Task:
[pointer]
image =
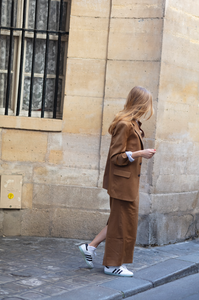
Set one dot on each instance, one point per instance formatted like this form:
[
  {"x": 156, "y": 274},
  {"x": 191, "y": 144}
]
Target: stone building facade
[{"x": 113, "y": 46}]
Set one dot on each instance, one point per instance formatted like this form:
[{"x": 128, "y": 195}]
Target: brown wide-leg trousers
[{"x": 121, "y": 232}]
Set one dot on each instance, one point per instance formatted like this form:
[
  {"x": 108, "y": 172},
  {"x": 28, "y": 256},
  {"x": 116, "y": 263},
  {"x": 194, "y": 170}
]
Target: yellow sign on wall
[{"x": 10, "y": 196}]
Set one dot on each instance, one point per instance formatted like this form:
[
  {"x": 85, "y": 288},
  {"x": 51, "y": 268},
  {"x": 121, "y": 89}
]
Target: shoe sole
[
  {"x": 117, "y": 274},
  {"x": 82, "y": 253}
]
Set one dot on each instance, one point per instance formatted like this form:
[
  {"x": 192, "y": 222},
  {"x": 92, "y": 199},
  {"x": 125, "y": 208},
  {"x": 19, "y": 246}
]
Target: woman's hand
[{"x": 148, "y": 153}]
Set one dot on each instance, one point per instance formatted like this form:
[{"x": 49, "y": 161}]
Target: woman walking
[{"x": 121, "y": 179}]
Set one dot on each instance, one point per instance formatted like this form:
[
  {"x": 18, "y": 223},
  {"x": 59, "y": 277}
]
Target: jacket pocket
[{"x": 122, "y": 173}]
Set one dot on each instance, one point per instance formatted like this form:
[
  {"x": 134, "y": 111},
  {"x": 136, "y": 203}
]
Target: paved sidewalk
[{"x": 53, "y": 268}]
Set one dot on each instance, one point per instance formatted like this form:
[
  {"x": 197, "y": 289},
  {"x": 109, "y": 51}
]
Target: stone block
[
  {"x": 168, "y": 158},
  {"x": 111, "y": 108},
  {"x": 122, "y": 76},
  {"x": 176, "y": 202},
  {"x": 190, "y": 8},
  {"x": 17, "y": 168},
  {"x": 82, "y": 115},
  {"x": 65, "y": 176},
  {"x": 144, "y": 183},
  {"x": 90, "y": 8},
  {"x": 21, "y": 122},
  {"x": 141, "y": 39},
  {"x": 143, "y": 230},
  {"x": 76, "y": 223},
  {"x": 80, "y": 151},
  {"x": 85, "y": 77},
  {"x": 36, "y": 222},
  {"x": 128, "y": 286},
  {"x": 1, "y": 222},
  {"x": 166, "y": 271},
  {"x": 88, "y": 37},
  {"x": 18, "y": 145},
  {"x": 145, "y": 204},
  {"x": 55, "y": 141},
  {"x": 96, "y": 292},
  {"x": 171, "y": 228},
  {"x": 12, "y": 222},
  {"x": 55, "y": 157},
  {"x": 137, "y": 9},
  {"x": 149, "y": 126},
  {"x": 105, "y": 144},
  {"x": 176, "y": 183},
  {"x": 0, "y": 141},
  {"x": 59, "y": 196},
  {"x": 27, "y": 192}
]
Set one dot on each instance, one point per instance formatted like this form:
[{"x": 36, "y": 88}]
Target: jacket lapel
[{"x": 137, "y": 130}]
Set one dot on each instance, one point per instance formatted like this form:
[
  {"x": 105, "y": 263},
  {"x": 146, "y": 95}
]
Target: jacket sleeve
[{"x": 118, "y": 144}]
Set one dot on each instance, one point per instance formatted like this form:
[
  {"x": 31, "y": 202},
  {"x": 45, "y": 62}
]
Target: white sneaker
[
  {"x": 118, "y": 271},
  {"x": 87, "y": 255}
]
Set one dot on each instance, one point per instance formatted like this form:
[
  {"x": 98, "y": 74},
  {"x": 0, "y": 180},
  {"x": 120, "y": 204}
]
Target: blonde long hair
[{"x": 138, "y": 104}]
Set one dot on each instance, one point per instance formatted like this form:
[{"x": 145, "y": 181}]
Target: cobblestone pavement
[{"x": 45, "y": 268}]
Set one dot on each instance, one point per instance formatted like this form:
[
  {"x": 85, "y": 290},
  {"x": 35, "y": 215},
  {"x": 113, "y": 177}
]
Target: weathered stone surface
[
  {"x": 41, "y": 124},
  {"x": 52, "y": 196},
  {"x": 178, "y": 227},
  {"x": 111, "y": 108},
  {"x": 140, "y": 39},
  {"x": 27, "y": 190},
  {"x": 74, "y": 223},
  {"x": 145, "y": 204},
  {"x": 80, "y": 151},
  {"x": 137, "y": 9},
  {"x": 36, "y": 222},
  {"x": 65, "y": 176},
  {"x": 12, "y": 222},
  {"x": 143, "y": 230},
  {"x": 180, "y": 202},
  {"x": 17, "y": 168},
  {"x": 91, "y": 8},
  {"x": 88, "y": 37},
  {"x": 1, "y": 222},
  {"x": 82, "y": 115},
  {"x": 85, "y": 77},
  {"x": 0, "y": 141},
  {"x": 122, "y": 76},
  {"x": 32, "y": 145},
  {"x": 55, "y": 157}
]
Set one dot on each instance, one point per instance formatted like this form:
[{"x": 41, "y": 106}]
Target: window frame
[{"x": 17, "y": 37}]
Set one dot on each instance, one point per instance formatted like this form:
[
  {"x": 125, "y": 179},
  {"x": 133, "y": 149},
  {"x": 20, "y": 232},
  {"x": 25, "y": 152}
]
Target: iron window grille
[{"x": 33, "y": 50}]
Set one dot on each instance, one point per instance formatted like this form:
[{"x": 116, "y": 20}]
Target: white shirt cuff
[{"x": 129, "y": 155}]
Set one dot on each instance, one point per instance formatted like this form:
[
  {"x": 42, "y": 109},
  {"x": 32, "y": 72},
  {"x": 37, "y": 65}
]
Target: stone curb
[{"x": 138, "y": 284}]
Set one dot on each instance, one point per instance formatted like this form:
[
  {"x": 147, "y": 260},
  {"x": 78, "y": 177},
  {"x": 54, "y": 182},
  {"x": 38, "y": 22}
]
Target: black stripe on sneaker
[
  {"x": 120, "y": 271},
  {"x": 114, "y": 271},
  {"x": 86, "y": 247}
]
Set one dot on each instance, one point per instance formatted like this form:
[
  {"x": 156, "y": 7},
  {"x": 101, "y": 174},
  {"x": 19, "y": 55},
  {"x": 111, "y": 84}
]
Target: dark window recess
[{"x": 37, "y": 47}]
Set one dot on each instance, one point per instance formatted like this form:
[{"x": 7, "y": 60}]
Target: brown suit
[{"x": 121, "y": 179}]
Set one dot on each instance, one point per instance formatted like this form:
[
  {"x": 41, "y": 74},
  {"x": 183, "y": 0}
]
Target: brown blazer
[{"x": 121, "y": 177}]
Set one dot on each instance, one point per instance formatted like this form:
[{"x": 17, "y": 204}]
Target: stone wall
[
  {"x": 113, "y": 46},
  {"x": 175, "y": 197}
]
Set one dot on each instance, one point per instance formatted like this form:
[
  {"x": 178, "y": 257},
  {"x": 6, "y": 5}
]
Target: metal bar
[
  {"x": 22, "y": 58},
  {"x": 46, "y": 63},
  {"x": 9, "y": 60},
  {"x": 58, "y": 61},
  {"x": 33, "y": 61},
  {"x": 35, "y": 30},
  {"x": 0, "y": 10}
]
